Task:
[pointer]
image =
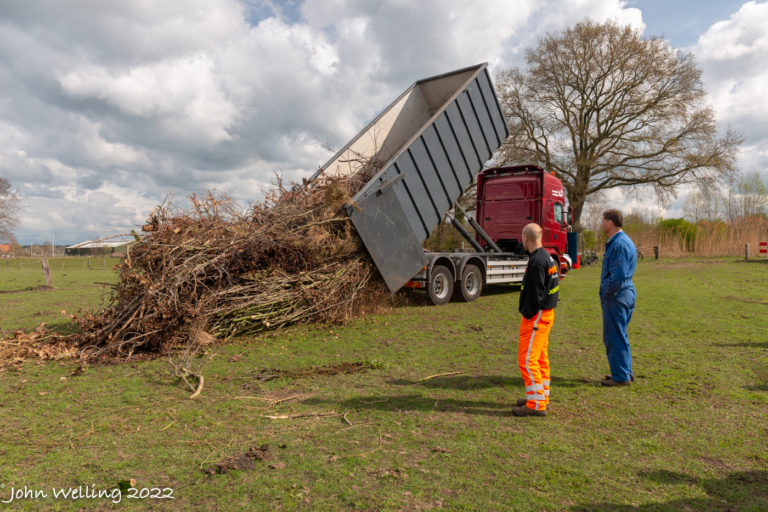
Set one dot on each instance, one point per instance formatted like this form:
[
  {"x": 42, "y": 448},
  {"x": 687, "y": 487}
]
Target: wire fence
[{"x": 61, "y": 263}]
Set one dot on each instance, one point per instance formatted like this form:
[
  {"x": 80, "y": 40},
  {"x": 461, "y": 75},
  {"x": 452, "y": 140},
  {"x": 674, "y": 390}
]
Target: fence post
[
  {"x": 46, "y": 271},
  {"x": 746, "y": 252},
  {"x": 655, "y": 252}
]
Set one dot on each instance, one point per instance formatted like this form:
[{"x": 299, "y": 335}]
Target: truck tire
[
  {"x": 440, "y": 286},
  {"x": 471, "y": 284}
]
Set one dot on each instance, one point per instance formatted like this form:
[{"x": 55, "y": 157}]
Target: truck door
[{"x": 553, "y": 219}]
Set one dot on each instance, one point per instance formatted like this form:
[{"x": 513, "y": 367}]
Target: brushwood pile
[{"x": 213, "y": 271}]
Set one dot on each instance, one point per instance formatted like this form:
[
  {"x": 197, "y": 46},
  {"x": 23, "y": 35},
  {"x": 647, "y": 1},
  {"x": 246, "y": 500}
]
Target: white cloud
[
  {"x": 741, "y": 39},
  {"x": 182, "y": 96},
  {"x": 733, "y": 55},
  {"x": 110, "y": 106}
]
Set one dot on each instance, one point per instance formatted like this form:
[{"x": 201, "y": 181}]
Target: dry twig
[
  {"x": 438, "y": 375},
  {"x": 300, "y": 415}
]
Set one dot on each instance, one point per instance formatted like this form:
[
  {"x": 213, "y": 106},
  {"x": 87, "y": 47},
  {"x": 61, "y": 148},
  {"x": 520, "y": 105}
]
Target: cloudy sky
[{"x": 109, "y": 107}]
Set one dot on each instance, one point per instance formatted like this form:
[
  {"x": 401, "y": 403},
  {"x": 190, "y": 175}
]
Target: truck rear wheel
[
  {"x": 471, "y": 284},
  {"x": 440, "y": 285}
]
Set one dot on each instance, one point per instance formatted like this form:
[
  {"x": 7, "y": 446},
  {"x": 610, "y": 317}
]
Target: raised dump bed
[{"x": 428, "y": 144}]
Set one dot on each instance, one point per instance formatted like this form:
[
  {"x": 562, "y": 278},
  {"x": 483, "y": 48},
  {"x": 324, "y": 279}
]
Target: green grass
[
  {"x": 690, "y": 434},
  {"x": 77, "y": 283}
]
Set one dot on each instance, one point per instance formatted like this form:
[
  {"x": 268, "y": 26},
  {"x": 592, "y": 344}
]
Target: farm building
[{"x": 114, "y": 246}]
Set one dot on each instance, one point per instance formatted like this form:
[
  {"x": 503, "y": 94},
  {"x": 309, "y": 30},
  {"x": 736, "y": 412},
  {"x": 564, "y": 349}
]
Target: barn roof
[{"x": 95, "y": 244}]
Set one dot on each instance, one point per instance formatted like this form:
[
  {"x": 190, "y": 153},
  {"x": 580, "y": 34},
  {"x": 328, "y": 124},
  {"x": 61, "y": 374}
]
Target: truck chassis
[{"x": 462, "y": 275}]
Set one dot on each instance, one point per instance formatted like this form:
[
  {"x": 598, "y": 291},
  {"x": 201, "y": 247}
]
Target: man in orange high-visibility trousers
[{"x": 538, "y": 299}]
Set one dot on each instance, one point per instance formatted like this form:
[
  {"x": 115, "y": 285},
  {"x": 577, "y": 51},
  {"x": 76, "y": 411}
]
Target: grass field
[
  {"x": 78, "y": 283},
  {"x": 690, "y": 434}
]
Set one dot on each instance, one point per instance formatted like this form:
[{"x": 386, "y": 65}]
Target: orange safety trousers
[{"x": 533, "y": 358}]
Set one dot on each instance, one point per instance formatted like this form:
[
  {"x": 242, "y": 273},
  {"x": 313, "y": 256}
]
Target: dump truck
[{"x": 428, "y": 146}]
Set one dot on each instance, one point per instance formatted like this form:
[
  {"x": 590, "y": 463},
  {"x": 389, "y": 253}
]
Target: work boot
[
  {"x": 608, "y": 377},
  {"x": 611, "y": 383},
  {"x": 522, "y": 410},
  {"x": 523, "y": 401}
]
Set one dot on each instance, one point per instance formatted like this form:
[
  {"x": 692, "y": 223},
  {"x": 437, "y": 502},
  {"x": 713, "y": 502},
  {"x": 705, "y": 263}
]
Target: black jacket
[{"x": 540, "y": 284}]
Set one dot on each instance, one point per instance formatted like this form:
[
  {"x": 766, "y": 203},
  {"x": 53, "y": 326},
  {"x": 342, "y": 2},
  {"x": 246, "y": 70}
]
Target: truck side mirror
[{"x": 570, "y": 216}]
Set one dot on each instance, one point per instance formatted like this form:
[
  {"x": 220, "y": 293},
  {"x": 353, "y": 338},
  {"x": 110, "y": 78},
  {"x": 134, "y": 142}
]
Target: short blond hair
[{"x": 532, "y": 232}]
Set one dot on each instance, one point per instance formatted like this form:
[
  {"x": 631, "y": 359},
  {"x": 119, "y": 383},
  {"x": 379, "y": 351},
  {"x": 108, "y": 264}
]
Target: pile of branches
[{"x": 215, "y": 272}]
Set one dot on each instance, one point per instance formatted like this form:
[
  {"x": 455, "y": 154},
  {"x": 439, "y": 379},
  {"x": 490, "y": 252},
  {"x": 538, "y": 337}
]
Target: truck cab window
[{"x": 559, "y": 213}]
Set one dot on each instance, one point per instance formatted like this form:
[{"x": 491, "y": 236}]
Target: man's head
[
  {"x": 531, "y": 237},
  {"x": 612, "y": 222}
]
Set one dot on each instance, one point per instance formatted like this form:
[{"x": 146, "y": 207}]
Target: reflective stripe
[
  {"x": 545, "y": 382},
  {"x": 554, "y": 290},
  {"x": 546, "y": 392},
  {"x": 531, "y": 388},
  {"x": 535, "y": 397}
]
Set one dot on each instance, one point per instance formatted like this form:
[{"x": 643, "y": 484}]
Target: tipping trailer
[{"x": 429, "y": 145}]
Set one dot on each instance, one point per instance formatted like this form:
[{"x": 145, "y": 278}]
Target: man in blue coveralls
[{"x": 617, "y": 298}]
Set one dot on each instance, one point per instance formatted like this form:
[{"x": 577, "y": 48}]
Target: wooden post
[
  {"x": 46, "y": 271},
  {"x": 655, "y": 252},
  {"x": 746, "y": 252}
]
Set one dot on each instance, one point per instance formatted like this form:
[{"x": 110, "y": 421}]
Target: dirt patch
[
  {"x": 716, "y": 464},
  {"x": 247, "y": 461},
  {"x": 41, "y": 288},
  {"x": 396, "y": 473}
]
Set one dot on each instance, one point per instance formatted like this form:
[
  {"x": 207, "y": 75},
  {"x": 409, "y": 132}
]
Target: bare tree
[
  {"x": 10, "y": 206},
  {"x": 706, "y": 203},
  {"x": 747, "y": 197},
  {"x": 604, "y": 107},
  {"x": 592, "y": 213}
]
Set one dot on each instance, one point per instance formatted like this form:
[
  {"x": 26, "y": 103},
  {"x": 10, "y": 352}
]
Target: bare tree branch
[
  {"x": 603, "y": 107},
  {"x": 10, "y": 207}
]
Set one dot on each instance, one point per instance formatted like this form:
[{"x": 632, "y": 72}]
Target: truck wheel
[
  {"x": 471, "y": 284},
  {"x": 440, "y": 285}
]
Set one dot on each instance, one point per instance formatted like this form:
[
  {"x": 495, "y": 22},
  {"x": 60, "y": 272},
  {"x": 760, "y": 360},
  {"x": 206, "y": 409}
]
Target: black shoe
[
  {"x": 525, "y": 411},
  {"x": 611, "y": 383},
  {"x": 608, "y": 377}
]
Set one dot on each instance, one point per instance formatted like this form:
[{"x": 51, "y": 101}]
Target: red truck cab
[{"x": 508, "y": 198}]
